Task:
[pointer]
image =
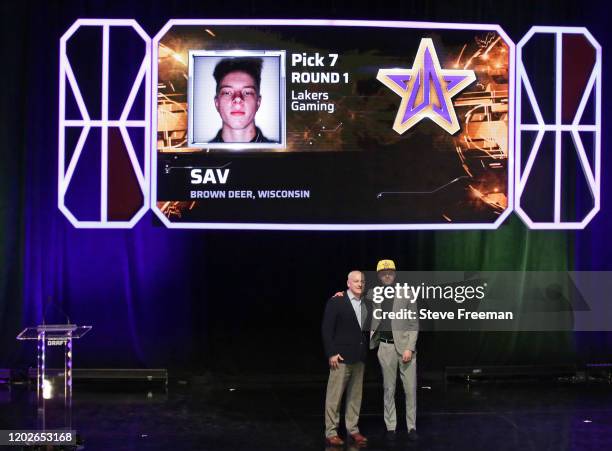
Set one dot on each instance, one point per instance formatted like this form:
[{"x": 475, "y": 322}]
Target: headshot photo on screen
[{"x": 236, "y": 100}]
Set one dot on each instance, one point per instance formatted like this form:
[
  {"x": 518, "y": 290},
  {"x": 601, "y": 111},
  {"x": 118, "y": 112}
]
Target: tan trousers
[
  {"x": 347, "y": 377},
  {"x": 390, "y": 360}
]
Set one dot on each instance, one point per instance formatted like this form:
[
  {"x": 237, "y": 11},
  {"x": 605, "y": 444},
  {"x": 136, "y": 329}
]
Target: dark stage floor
[{"x": 281, "y": 416}]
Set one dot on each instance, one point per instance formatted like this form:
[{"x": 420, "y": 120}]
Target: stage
[
  {"x": 184, "y": 186},
  {"x": 208, "y": 413}
]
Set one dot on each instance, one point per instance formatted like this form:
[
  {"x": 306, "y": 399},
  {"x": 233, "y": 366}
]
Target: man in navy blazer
[{"x": 345, "y": 332}]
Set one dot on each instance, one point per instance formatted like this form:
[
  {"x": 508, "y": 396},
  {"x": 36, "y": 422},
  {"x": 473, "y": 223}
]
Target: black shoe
[
  {"x": 412, "y": 435},
  {"x": 390, "y": 436}
]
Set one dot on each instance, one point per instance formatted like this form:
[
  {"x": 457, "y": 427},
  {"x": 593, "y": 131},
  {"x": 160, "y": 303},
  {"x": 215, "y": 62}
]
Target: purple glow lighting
[{"x": 68, "y": 376}]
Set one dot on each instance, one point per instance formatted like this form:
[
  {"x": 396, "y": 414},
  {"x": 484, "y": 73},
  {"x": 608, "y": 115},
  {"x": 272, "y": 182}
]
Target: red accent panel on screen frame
[{"x": 578, "y": 62}]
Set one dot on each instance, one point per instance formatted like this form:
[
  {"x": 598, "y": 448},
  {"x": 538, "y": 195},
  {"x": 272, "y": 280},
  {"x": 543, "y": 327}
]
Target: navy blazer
[{"x": 341, "y": 332}]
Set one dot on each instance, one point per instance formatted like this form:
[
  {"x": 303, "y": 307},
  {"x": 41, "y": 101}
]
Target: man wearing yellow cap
[{"x": 396, "y": 341}]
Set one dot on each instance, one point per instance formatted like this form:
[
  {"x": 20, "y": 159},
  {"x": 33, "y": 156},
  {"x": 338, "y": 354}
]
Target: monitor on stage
[{"x": 331, "y": 127}]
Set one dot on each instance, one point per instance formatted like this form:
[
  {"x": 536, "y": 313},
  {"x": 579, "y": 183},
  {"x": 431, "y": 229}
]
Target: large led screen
[{"x": 337, "y": 126}]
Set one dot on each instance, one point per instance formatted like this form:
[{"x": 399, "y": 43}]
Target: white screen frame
[
  {"x": 364, "y": 24},
  {"x": 282, "y": 138}
]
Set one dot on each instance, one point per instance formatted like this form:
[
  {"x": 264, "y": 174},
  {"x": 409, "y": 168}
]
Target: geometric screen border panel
[
  {"x": 577, "y": 73},
  {"x": 98, "y": 126}
]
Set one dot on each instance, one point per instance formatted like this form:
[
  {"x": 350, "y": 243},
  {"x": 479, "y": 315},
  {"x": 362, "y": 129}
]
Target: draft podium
[{"x": 54, "y": 359}]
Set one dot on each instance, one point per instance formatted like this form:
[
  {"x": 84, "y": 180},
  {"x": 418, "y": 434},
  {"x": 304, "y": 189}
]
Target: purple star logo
[{"x": 426, "y": 90}]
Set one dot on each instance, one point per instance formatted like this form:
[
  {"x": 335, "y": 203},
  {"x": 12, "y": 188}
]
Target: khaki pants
[
  {"x": 390, "y": 360},
  {"x": 347, "y": 377}
]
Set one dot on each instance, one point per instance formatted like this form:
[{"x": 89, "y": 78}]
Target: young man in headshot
[{"x": 237, "y": 100}]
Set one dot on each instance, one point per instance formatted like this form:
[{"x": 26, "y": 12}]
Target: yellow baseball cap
[{"x": 385, "y": 265}]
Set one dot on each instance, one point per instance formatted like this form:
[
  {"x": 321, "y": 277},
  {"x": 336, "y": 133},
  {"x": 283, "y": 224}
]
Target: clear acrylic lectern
[{"x": 55, "y": 336}]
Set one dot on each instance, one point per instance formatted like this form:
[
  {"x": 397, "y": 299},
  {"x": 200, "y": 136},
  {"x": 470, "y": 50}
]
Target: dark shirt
[
  {"x": 385, "y": 327},
  {"x": 259, "y": 137}
]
